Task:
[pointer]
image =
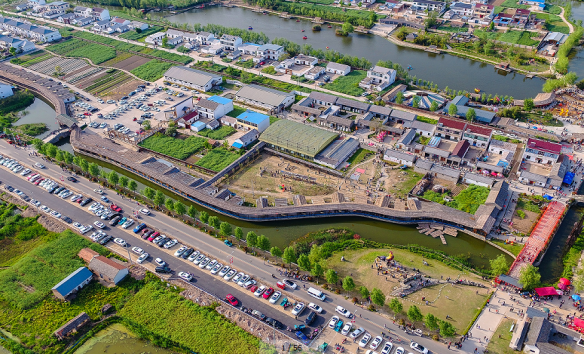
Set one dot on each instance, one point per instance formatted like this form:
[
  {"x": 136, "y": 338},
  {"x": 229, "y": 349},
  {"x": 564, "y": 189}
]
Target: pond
[
  {"x": 118, "y": 339},
  {"x": 40, "y": 112}
]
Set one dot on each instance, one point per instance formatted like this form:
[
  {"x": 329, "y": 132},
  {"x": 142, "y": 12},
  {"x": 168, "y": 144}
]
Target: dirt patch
[
  {"x": 52, "y": 224},
  {"x": 131, "y": 63},
  {"x": 524, "y": 225},
  {"x": 27, "y": 288},
  {"x": 121, "y": 90}
]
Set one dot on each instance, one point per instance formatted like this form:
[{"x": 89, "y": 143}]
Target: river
[
  {"x": 444, "y": 70},
  {"x": 281, "y": 233},
  {"x": 40, "y": 112}
]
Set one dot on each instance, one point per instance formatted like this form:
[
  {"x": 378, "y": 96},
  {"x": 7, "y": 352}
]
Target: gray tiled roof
[
  {"x": 197, "y": 77},
  {"x": 400, "y": 155},
  {"x": 324, "y": 97},
  {"x": 353, "y": 104},
  {"x": 205, "y": 103},
  {"x": 263, "y": 94}
]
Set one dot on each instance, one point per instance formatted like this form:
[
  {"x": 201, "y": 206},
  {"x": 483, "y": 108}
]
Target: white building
[
  {"x": 399, "y": 157},
  {"x": 191, "y": 78},
  {"x": 215, "y": 47},
  {"x": 338, "y": 69},
  {"x": 155, "y": 38},
  {"x": 138, "y": 25},
  {"x": 314, "y": 73},
  {"x": 27, "y": 30},
  {"x": 214, "y": 107},
  {"x": 5, "y": 90},
  {"x": 265, "y": 98},
  {"x": 21, "y": 45},
  {"x": 270, "y": 51},
  {"x": 302, "y": 59},
  {"x": 542, "y": 152},
  {"x": 428, "y": 5},
  {"x": 378, "y": 78},
  {"x": 230, "y": 42},
  {"x": 462, "y": 9}
]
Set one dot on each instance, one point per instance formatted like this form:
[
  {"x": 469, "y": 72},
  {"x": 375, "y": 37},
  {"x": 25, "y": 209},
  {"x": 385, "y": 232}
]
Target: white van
[{"x": 317, "y": 294}]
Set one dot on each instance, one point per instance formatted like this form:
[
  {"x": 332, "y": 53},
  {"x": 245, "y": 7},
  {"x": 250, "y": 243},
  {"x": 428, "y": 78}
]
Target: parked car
[
  {"x": 275, "y": 297},
  {"x": 310, "y": 318},
  {"x": 297, "y": 310},
  {"x": 419, "y": 348},
  {"x": 333, "y": 321},
  {"x": 315, "y": 307},
  {"x": 185, "y": 276},
  {"x": 366, "y": 338},
  {"x": 343, "y": 311},
  {"x": 232, "y": 300}
]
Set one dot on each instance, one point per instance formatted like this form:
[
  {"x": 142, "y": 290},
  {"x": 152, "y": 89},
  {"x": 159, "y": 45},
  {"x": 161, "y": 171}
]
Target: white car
[
  {"x": 346, "y": 328},
  {"x": 243, "y": 280},
  {"x": 419, "y": 348},
  {"x": 120, "y": 241},
  {"x": 314, "y": 307},
  {"x": 238, "y": 277},
  {"x": 185, "y": 276},
  {"x": 160, "y": 262},
  {"x": 180, "y": 251},
  {"x": 128, "y": 223},
  {"x": 204, "y": 262},
  {"x": 387, "y": 348},
  {"x": 99, "y": 224},
  {"x": 170, "y": 243},
  {"x": 211, "y": 264},
  {"x": 356, "y": 333},
  {"x": 137, "y": 250},
  {"x": 45, "y": 209},
  {"x": 290, "y": 283},
  {"x": 35, "y": 202},
  {"x": 343, "y": 311},
  {"x": 98, "y": 191},
  {"x": 145, "y": 211},
  {"x": 297, "y": 310},
  {"x": 39, "y": 165},
  {"x": 191, "y": 258},
  {"x": 199, "y": 259},
  {"x": 224, "y": 270},
  {"x": 275, "y": 296},
  {"x": 260, "y": 290},
  {"x": 85, "y": 229},
  {"x": 230, "y": 274},
  {"x": 55, "y": 214},
  {"x": 248, "y": 284},
  {"x": 77, "y": 225},
  {"x": 400, "y": 350},
  {"x": 333, "y": 321},
  {"x": 216, "y": 268},
  {"x": 376, "y": 342},
  {"x": 366, "y": 338},
  {"x": 144, "y": 256}
]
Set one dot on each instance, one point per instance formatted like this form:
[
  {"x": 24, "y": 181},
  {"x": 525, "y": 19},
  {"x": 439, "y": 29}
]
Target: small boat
[
  {"x": 297, "y": 20},
  {"x": 410, "y": 67},
  {"x": 327, "y": 47},
  {"x": 250, "y": 28},
  {"x": 304, "y": 37},
  {"x": 329, "y": 26},
  {"x": 302, "y": 30},
  {"x": 477, "y": 90}
]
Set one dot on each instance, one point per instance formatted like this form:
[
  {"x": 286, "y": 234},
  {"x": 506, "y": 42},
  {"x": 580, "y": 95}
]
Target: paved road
[{"x": 372, "y": 322}]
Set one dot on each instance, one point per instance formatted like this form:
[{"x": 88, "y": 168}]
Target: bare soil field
[
  {"x": 88, "y": 81},
  {"x": 131, "y": 63},
  {"x": 121, "y": 89},
  {"x": 524, "y": 225}
]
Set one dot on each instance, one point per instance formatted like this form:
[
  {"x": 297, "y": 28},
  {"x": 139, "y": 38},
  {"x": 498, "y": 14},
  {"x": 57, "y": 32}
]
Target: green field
[
  {"x": 76, "y": 48},
  {"x": 218, "y": 134},
  {"x": 217, "y": 159},
  {"x": 468, "y": 200},
  {"x": 348, "y": 84},
  {"x": 152, "y": 70},
  {"x": 522, "y": 38},
  {"x": 134, "y": 36},
  {"x": 196, "y": 327},
  {"x": 177, "y": 148},
  {"x": 236, "y": 111},
  {"x": 514, "y": 4}
]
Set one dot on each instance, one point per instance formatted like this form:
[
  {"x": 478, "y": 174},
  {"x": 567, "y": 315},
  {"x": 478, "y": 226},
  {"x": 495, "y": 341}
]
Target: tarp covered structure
[
  {"x": 547, "y": 291},
  {"x": 569, "y": 177}
]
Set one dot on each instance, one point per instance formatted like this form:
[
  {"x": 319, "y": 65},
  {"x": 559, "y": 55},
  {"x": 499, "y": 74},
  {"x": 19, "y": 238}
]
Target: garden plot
[
  {"x": 131, "y": 63},
  {"x": 66, "y": 66},
  {"x": 122, "y": 89},
  {"x": 81, "y": 75}
]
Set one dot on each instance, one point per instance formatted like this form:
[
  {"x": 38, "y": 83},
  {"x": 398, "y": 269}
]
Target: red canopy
[
  {"x": 578, "y": 322},
  {"x": 547, "y": 291},
  {"x": 564, "y": 281}
]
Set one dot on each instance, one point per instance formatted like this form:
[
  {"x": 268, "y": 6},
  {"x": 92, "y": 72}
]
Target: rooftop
[
  {"x": 219, "y": 99},
  {"x": 263, "y": 94},
  {"x": 451, "y": 123},
  {"x": 544, "y": 146},
  {"x": 65, "y": 286},
  {"x": 253, "y": 117},
  {"x": 297, "y": 137},
  {"x": 197, "y": 77}
]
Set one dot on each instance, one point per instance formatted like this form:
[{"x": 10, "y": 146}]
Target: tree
[
  {"x": 499, "y": 265},
  {"x": 434, "y": 106},
  {"x": 264, "y": 243},
  {"x": 447, "y": 329},
  {"x": 471, "y": 115},
  {"x": 431, "y": 322},
  {"x": 276, "y": 251},
  {"x": 123, "y": 181},
  {"x": 238, "y": 232},
  {"x": 347, "y": 28},
  {"x": 225, "y": 228},
  {"x": 132, "y": 185},
  {"x": 317, "y": 271},
  {"x": 452, "y": 110},
  {"x": 304, "y": 262},
  {"x": 377, "y": 297},
  {"x": 149, "y": 193},
  {"x": 348, "y": 283},
  {"x": 528, "y": 104},
  {"x": 414, "y": 314},
  {"x": 491, "y": 26},
  {"x": 364, "y": 292},
  {"x": 578, "y": 280},
  {"x": 159, "y": 198},
  {"x": 488, "y": 48},
  {"x": 138, "y": 30},
  {"x": 214, "y": 222},
  {"x": 94, "y": 169},
  {"x": 315, "y": 254},
  {"x": 331, "y": 276},
  {"x": 204, "y": 217},
  {"x": 113, "y": 178},
  {"x": 289, "y": 255},
  {"x": 165, "y": 42},
  {"x": 12, "y": 51},
  {"x": 251, "y": 239},
  {"x": 192, "y": 211},
  {"x": 180, "y": 208},
  {"x": 432, "y": 19},
  {"x": 399, "y": 98},
  {"x": 529, "y": 277},
  {"x": 416, "y": 101},
  {"x": 169, "y": 204},
  {"x": 395, "y": 306},
  {"x": 146, "y": 124}
]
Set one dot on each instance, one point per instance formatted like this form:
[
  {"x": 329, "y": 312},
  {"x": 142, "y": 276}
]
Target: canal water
[
  {"x": 40, "y": 112},
  {"x": 117, "y": 339},
  {"x": 444, "y": 70},
  {"x": 281, "y": 233}
]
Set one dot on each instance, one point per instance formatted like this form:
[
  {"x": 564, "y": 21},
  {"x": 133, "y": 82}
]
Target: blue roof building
[
  {"x": 253, "y": 120},
  {"x": 220, "y": 100},
  {"x": 72, "y": 283}
]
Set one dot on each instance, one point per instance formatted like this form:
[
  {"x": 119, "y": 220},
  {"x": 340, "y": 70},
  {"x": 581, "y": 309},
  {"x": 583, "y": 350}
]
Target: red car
[
  {"x": 115, "y": 208},
  {"x": 268, "y": 293},
  {"x": 253, "y": 288},
  {"x": 153, "y": 236},
  {"x": 232, "y": 300}
]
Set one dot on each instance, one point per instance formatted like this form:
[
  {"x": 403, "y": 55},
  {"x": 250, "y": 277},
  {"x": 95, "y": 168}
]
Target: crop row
[
  {"x": 66, "y": 66},
  {"x": 103, "y": 80},
  {"x": 106, "y": 86},
  {"x": 82, "y": 75},
  {"x": 152, "y": 70},
  {"x": 37, "y": 60},
  {"x": 97, "y": 53}
]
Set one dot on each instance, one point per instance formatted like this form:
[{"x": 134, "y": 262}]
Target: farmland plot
[
  {"x": 131, "y": 63},
  {"x": 66, "y": 65}
]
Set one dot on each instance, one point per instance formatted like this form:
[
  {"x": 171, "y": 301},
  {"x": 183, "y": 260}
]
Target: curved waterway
[
  {"x": 281, "y": 233},
  {"x": 444, "y": 70},
  {"x": 40, "y": 112}
]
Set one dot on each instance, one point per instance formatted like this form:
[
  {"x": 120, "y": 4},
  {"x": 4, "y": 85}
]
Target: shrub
[{"x": 371, "y": 308}]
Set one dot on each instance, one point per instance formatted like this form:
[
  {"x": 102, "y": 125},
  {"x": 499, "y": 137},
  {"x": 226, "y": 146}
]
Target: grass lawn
[
  {"x": 274, "y": 119},
  {"x": 348, "y": 84},
  {"x": 519, "y": 37},
  {"x": 540, "y": 119},
  {"x": 236, "y": 111},
  {"x": 487, "y": 35},
  {"x": 217, "y": 159},
  {"x": 134, "y": 36},
  {"x": 427, "y": 120},
  {"x": 557, "y": 27},
  {"x": 513, "y": 4},
  {"x": 218, "y": 134},
  {"x": 463, "y": 301},
  {"x": 177, "y": 148},
  {"x": 452, "y": 29},
  {"x": 152, "y": 70},
  {"x": 359, "y": 156},
  {"x": 11, "y": 250},
  {"x": 515, "y": 248},
  {"x": 501, "y": 345},
  {"x": 553, "y": 9}
]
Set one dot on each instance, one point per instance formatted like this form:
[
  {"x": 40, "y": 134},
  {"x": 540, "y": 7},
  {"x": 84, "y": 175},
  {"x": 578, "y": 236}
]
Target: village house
[
  {"x": 102, "y": 26},
  {"x": 338, "y": 69},
  {"x": 427, "y": 5},
  {"x": 155, "y": 38},
  {"x": 381, "y": 112},
  {"x": 229, "y": 42},
  {"x": 478, "y": 179},
  {"x": 72, "y": 283},
  {"x": 21, "y": 45},
  {"x": 66, "y": 18},
  {"x": 406, "y": 139},
  {"x": 461, "y": 9},
  {"x": 72, "y": 326},
  {"x": 337, "y": 123},
  {"x": 378, "y": 78},
  {"x": 400, "y": 157},
  {"x": 462, "y": 109},
  {"x": 250, "y": 120},
  {"x": 539, "y": 3},
  {"x": 271, "y": 100},
  {"x": 192, "y": 78},
  {"x": 477, "y": 135},
  {"x": 542, "y": 152},
  {"x": 482, "y": 11},
  {"x": 314, "y": 73},
  {"x": 179, "y": 110},
  {"x": 450, "y": 129},
  {"x": 246, "y": 139},
  {"x": 108, "y": 270},
  {"x": 401, "y": 116},
  {"x": 26, "y": 30},
  {"x": 422, "y": 128},
  {"x": 81, "y": 21},
  {"x": 96, "y": 13},
  {"x": 305, "y": 60},
  {"x": 269, "y": 51},
  {"x": 138, "y": 25},
  {"x": 214, "y": 107}
]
